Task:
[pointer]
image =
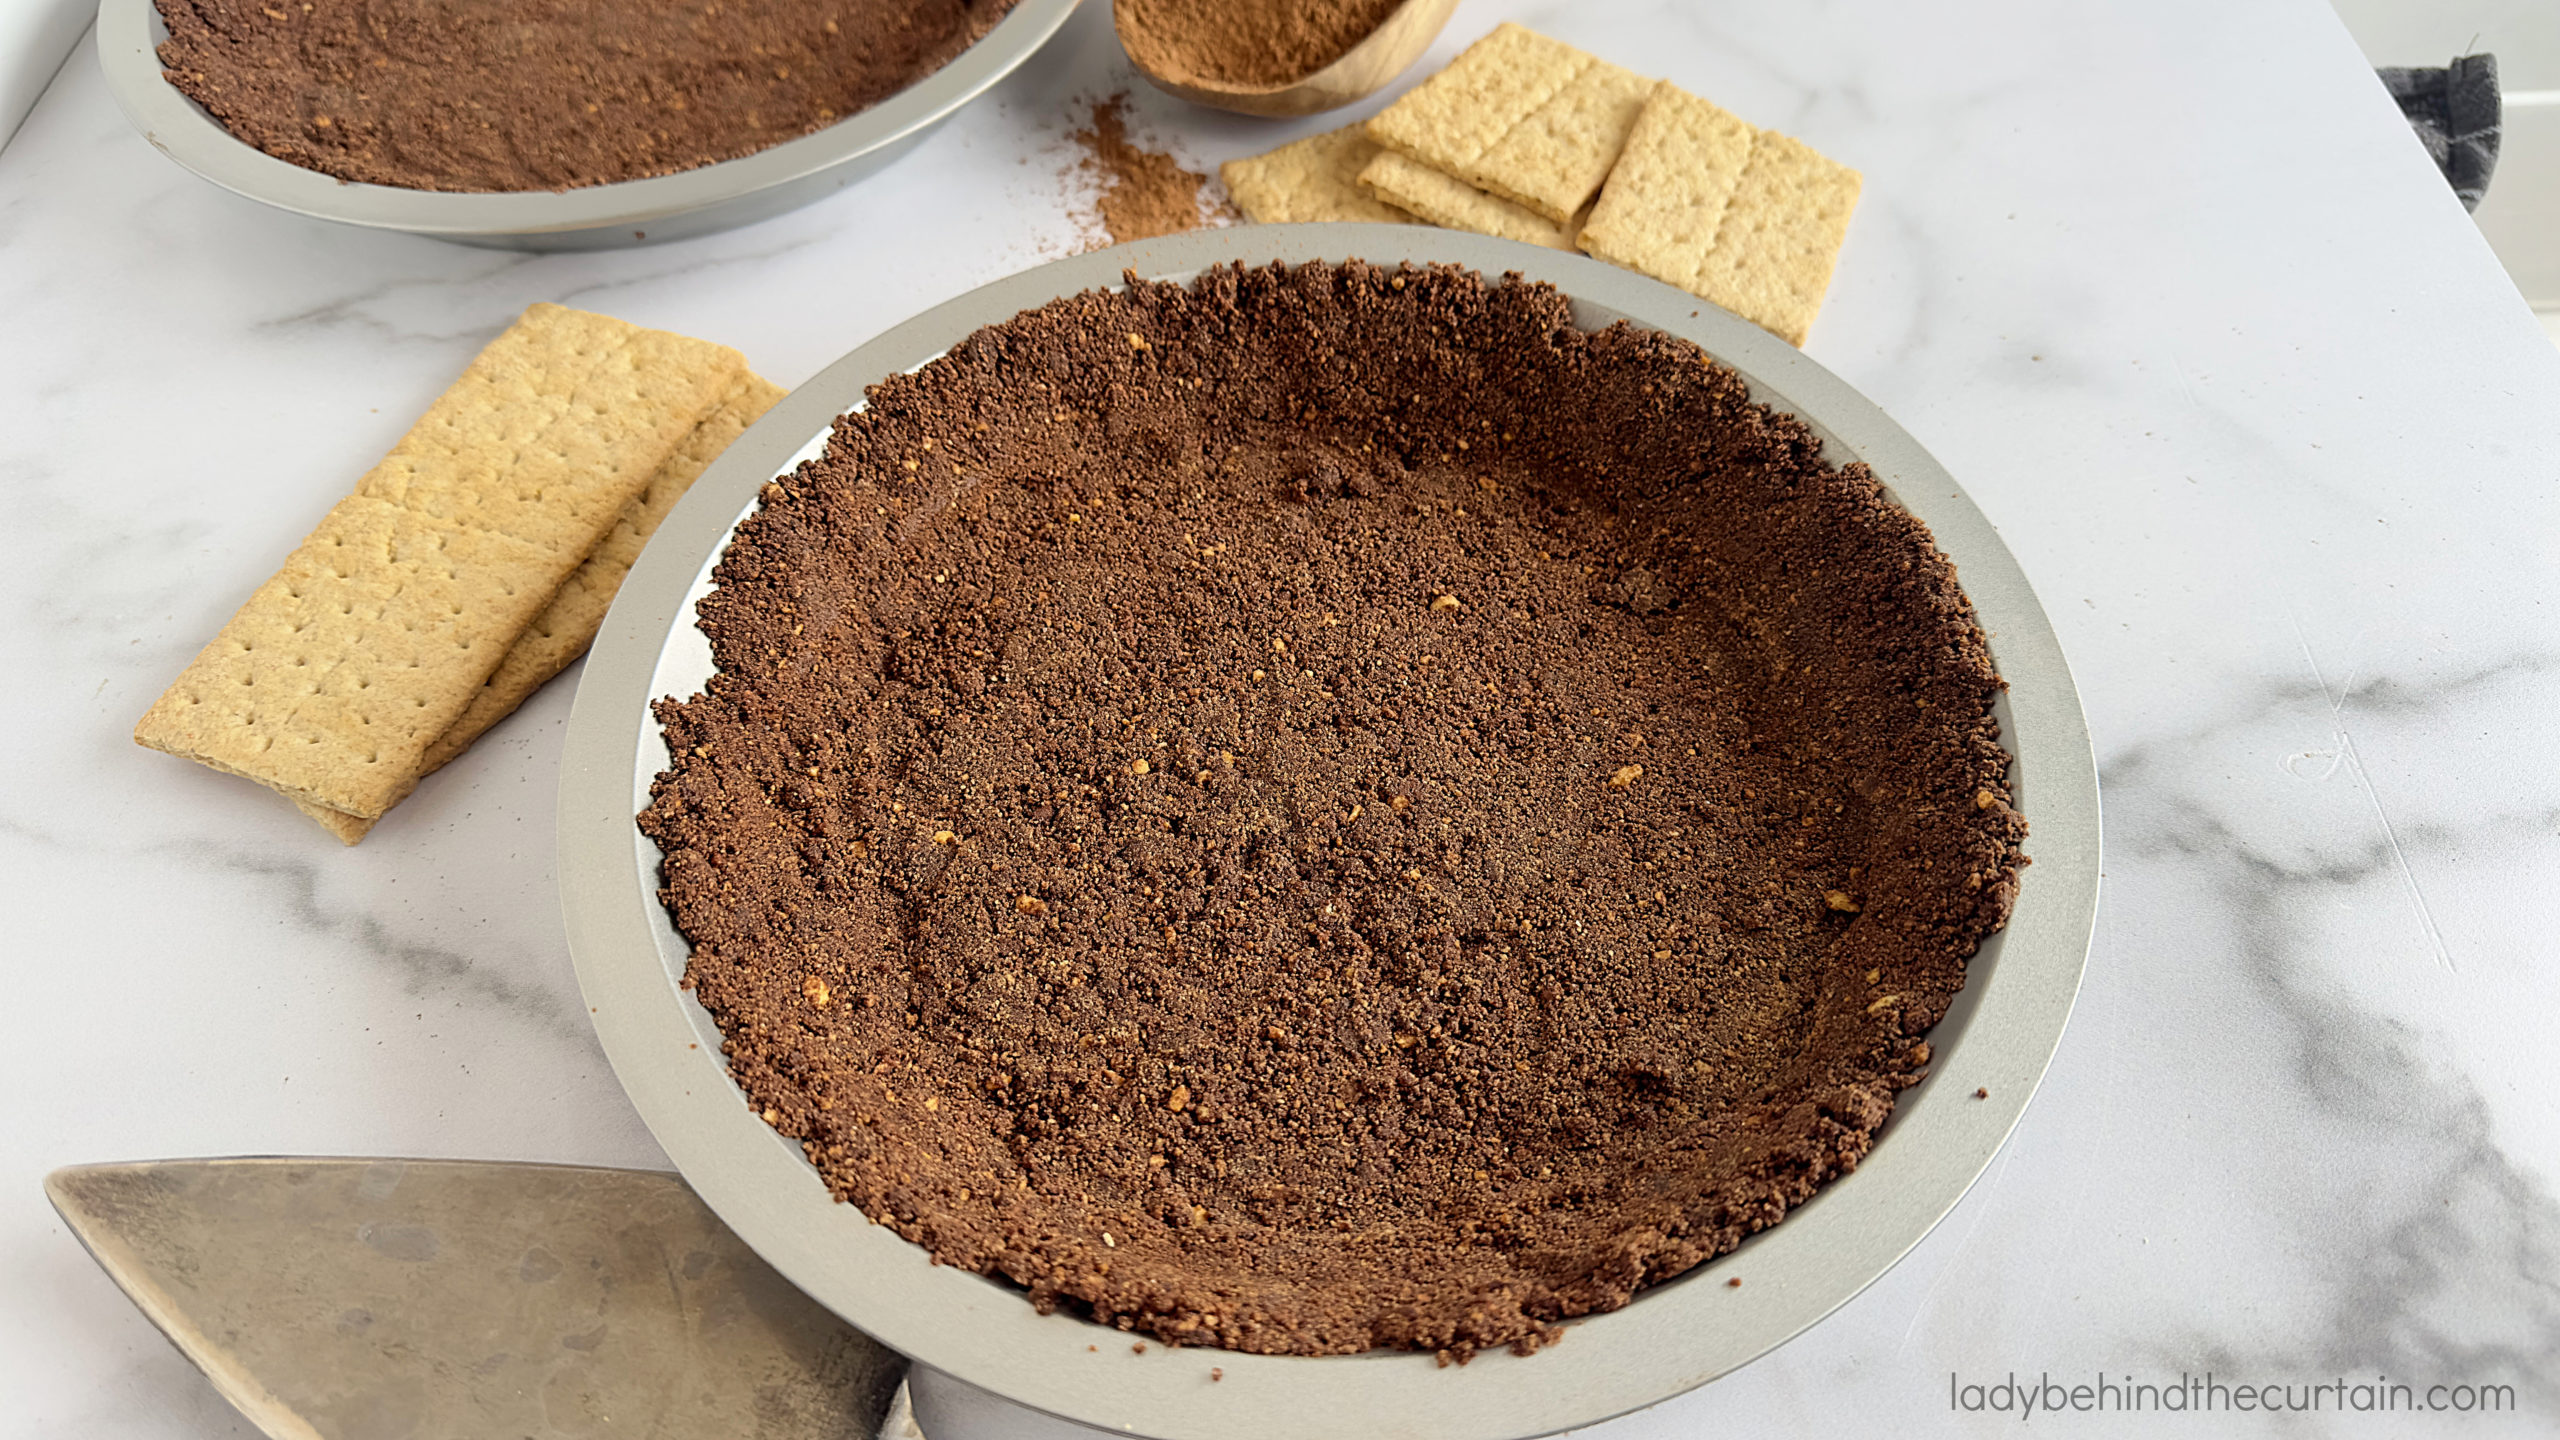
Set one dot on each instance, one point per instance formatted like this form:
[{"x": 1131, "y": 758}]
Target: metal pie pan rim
[
  {"x": 179, "y": 128},
  {"x": 1999, "y": 1038}
]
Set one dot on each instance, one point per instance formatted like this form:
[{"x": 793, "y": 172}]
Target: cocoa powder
[
  {"x": 1142, "y": 193},
  {"x": 1244, "y": 42},
  {"x": 1331, "y": 809},
  {"x": 483, "y": 95}
]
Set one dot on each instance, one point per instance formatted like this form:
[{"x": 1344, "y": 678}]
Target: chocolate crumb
[
  {"x": 1439, "y": 1089},
  {"x": 1144, "y": 193},
  {"x": 502, "y": 95},
  {"x": 1245, "y": 42}
]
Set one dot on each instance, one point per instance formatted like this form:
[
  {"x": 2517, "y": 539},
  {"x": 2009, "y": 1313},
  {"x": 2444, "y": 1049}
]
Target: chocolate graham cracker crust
[
  {"x": 1327, "y": 809},
  {"x": 505, "y": 95}
]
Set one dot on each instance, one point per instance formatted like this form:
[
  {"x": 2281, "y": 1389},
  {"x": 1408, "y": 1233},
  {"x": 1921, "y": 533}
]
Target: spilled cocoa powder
[
  {"x": 1244, "y": 42},
  {"x": 1331, "y": 809},
  {"x": 1144, "y": 193},
  {"x": 498, "y": 95}
]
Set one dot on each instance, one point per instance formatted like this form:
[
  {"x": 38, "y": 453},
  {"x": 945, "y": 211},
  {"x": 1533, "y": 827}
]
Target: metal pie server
[{"x": 409, "y": 1299}]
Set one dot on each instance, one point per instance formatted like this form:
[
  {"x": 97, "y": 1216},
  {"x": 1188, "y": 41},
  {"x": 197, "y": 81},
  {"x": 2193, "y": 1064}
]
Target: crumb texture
[
  {"x": 1245, "y": 42},
  {"x": 1140, "y": 193},
  {"x": 1329, "y": 809},
  {"x": 493, "y": 95}
]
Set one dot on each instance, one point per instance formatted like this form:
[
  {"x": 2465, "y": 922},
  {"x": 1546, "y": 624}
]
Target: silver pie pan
[
  {"x": 597, "y": 217},
  {"x": 1998, "y": 1038}
]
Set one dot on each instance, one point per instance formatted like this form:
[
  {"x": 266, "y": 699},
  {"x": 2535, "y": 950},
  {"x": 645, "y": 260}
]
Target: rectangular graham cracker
[
  {"x": 335, "y": 677},
  {"x": 1750, "y": 219},
  {"x": 1446, "y": 200},
  {"x": 1664, "y": 202},
  {"x": 564, "y": 630},
  {"x": 1772, "y": 260},
  {"x": 1312, "y": 179},
  {"x": 511, "y": 449},
  {"x": 1520, "y": 116}
]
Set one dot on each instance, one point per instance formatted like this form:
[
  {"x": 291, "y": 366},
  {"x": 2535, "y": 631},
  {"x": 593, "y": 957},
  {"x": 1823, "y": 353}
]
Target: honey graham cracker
[
  {"x": 1672, "y": 183},
  {"x": 340, "y": 672},
  {"x": 1448, "y": 201},
  {"x": 1520, "y": 116},
  {"x": 1781, "y": 237},
  {"x": 563, "y": 631},
  {"x": 1317, "y": 178},
  {"x": 1752, "y": 220}
]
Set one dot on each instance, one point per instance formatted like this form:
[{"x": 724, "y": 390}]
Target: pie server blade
[{"x": 350, "y": 1299}]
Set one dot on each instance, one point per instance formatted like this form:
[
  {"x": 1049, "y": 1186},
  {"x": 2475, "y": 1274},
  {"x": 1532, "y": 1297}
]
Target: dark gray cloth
[{"x": 2455, "y": 112}]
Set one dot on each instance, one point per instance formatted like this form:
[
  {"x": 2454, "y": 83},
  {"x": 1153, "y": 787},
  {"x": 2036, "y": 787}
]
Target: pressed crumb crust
[
  {"x": 504, "y": 95},
  {"x": 1329, "y": 809}
]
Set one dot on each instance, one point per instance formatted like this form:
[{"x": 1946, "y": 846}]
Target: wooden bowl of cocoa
[{"x": 1276, "y": 57}]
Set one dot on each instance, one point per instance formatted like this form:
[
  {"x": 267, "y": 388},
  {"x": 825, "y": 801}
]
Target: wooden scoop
[{"x": 1384, "y": 54}]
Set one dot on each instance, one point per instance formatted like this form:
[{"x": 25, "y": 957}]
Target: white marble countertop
[{"x": 2167, "y": 285}]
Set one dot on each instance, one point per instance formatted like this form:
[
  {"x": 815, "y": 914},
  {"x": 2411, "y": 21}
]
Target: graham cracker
[
  {"x": 513, "y": 448},
  {"x": 1773, "y": 256},
  {"x": 1446, "y": 200},
  {"x": 328, "y": 680},
  {"x": 564, "y": 630},
  {"x": 331, "y": 682},
  {"x": 1663, "y": 205},
  {"x": 1520, "y": 116},
  {"x": 348, "y": 828},
  {"x": 1312, "y": 179}
]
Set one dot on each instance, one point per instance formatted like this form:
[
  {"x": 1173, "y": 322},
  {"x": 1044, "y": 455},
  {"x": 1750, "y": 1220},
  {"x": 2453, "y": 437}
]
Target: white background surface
[
  {"x": 34, "y": 37},
  {"x": 2168, "y": 286}
]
